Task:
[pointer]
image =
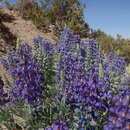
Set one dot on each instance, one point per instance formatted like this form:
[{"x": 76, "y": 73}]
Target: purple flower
[
  {"x": 69, "y": 42},
  {"x": 48, "y": 47},
  {"x": 79, "y": 71},
  {"x": 119, "y": 112},
  {"x": 28, "y": 79},
  {"x": 79, "y": 87},
  {"x": 45, "y": 47},
  {"x": 44, "y": 55},
  {"x": 115, "y": 64}
]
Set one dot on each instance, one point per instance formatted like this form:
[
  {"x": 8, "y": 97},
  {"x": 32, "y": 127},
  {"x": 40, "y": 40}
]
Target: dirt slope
[{"x": 25, "y": 30}]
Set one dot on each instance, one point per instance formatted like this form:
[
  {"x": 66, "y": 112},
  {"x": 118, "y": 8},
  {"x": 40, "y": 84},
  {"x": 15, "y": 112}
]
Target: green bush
[
  {"x": 59, "y": 13},
  {"x": 107, "y": 43}
]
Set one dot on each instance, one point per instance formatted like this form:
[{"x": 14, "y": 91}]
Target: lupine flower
[
  {"x": 79, "y": 87},
  {"x": 113, "y": 69},
  {"x": 43, "y": 50},
  {"x": 48, "y": 47},
  {"x": 93, "y": 57},
  {"x": 44, "y": 55},
  {"x": 82, "y": 91},
  {"x": 58, "y": 125},
  {"x": 69, "y": 42},
  {"x": 45, "y": 47},
  {"x": 116, "y": 64},
  {"x": 91, "y": 49},
  {"x": 119, "y": 118},
  {"x": 27, "y": 78},
  {"x": 79, "y": 75}
]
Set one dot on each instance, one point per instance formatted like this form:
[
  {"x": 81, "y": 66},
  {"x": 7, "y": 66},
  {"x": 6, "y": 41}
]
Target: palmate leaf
[
  {"x": 6, "y": 117},
  {"x": 49, "y": 71},
  {"x": 55, "y": 109},
  {"x": 15, "y": 115}
]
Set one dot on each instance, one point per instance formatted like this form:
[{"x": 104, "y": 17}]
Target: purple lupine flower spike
[
  {"x": 119, "y": 112},
  {"x": 28, "y": 79}
]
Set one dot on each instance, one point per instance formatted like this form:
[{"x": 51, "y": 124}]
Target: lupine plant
[
  {"x": 44, "y": 55},
  {"x": 119, "y": 109},
  {"x": 69, "y": 86},
  {"x": 28, "y": 80},
  {"x": 114, "y": 68}
]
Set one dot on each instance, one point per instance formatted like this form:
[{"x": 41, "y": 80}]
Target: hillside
[{"x": 14, "y": 28}]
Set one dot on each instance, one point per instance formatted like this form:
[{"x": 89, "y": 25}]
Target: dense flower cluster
[
  {"x": 92, "y": 57},
  {"x": 120, "y": 112},
  {"x": 91, "y": 49},
  {"x": 69, "y": 42},
  {"x": 79, "y": 88},
  {"x": 58, "y": 125},
  {"x": 79, "y": 76},
  {"x": 27, "y": 78},
  {"x": 74, "y": 77},
  {"x": 113, "y": 70},
  {"x": 87, "y": 82},
  {"x": 115, "y": 63}
]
